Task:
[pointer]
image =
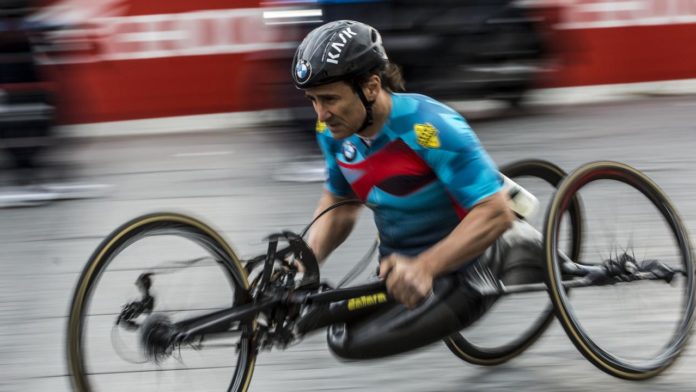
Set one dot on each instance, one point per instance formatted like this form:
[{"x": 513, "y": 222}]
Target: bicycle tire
[
  {"x": 601, "y": 358},
  {"x": 126, "y": 235},
  {"x": 491, "y": 356}
]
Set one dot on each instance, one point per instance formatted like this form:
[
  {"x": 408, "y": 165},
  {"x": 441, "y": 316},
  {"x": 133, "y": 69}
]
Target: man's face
[{"x": 338, "y": 106}]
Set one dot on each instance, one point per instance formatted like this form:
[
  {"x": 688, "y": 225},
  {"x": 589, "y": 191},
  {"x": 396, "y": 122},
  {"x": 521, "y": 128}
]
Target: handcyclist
[{"x": 445, "y": 227}]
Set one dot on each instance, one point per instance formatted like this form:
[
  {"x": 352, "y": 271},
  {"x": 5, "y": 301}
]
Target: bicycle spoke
[
  {"x": 628, "y": 316},
  {"x": 144, "y": 283}
]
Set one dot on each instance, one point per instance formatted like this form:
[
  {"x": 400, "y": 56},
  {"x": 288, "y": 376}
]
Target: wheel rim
[
  {"x": 466, "y": 347},
  {"x": 600, "y": 350},
  {"x": 147, "y": 227}
]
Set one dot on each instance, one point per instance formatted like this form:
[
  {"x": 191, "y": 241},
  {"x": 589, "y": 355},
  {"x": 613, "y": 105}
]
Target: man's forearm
[
  {"x": 333, "y": 228},
  {"x": 476, "y": 232}
]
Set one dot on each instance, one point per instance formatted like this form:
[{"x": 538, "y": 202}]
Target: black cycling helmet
[
  {"x": 340, "y": 50},
  {"x": 336, "y": 51}
]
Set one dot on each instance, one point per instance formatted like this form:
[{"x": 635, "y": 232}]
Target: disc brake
[{"x": 131, "y": 311}]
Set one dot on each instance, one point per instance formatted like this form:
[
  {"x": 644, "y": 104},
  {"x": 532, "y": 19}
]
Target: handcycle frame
[{"x": 270, "y": 296}]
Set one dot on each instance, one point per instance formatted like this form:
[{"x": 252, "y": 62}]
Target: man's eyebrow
[{"x": 324, "y": 95}]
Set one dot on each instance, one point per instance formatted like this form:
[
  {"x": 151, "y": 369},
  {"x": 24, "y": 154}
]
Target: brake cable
[
  {"x": 331, "y": 207},
  {"x": 362, "y": 264}
]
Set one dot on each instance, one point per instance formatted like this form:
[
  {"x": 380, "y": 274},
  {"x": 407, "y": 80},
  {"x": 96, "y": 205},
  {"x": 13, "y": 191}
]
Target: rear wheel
[
  {"x": 106, "y": 353},
  {"x": 635, "y": 325},
  {"x": 517, "y": 321}
]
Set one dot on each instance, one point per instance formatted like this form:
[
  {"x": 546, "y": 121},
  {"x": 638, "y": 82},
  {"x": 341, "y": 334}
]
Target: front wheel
[
  {"x": 635, "y": 317},
  {"x": 108, "y": 314}
]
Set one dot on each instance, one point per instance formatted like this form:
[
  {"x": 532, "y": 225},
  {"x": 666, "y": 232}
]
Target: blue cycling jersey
[{"x": 421, "y": 174}]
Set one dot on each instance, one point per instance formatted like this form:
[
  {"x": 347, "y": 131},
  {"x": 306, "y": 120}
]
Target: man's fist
[{"x": 407, "y": 279}]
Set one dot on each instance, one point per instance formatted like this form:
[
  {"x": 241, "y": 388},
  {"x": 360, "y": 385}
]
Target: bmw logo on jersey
[{"x": 349, "y": 151}]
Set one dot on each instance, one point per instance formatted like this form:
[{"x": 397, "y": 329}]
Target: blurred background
[{"x": 114, "y": 108}]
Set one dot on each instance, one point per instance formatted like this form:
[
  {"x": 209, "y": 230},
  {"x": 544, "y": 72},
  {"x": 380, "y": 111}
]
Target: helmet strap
[{"x": 368, "y": 107}]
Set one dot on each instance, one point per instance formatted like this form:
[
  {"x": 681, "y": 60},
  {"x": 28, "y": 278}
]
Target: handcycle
[{"x": 272, "y": 305}]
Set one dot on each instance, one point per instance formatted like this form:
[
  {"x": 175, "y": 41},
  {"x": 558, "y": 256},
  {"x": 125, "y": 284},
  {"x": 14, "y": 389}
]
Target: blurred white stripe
[
  {"x": 291, "y": 14},
  {"x": 655, "y": 21},
  {"x": 611, "y": 6},
  {"x": 201, "y": 154}
]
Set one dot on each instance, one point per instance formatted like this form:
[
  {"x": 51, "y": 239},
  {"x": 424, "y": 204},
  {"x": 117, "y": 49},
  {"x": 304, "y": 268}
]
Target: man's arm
[
  {"x": 410, "y": 280},
  {"x": 477, "y": 231},
  {"x": 332, "y": 229}
]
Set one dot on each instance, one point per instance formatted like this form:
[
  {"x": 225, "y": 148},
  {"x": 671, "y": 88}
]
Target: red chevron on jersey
[{"x": 395, "y": 168}]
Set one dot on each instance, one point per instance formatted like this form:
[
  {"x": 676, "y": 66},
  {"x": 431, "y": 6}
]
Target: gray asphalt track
[{"x": 227, "y": 179}]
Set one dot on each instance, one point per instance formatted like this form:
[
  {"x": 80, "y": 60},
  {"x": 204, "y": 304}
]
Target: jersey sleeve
[
  {"x": 335, "y": 182},
  {"x": 456, "y": 156}
]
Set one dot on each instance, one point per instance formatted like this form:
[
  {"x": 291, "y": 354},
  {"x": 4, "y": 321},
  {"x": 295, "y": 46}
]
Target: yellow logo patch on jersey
[
  {"x": 321, "y": 127},
  {"x": 427, "y": 135}
]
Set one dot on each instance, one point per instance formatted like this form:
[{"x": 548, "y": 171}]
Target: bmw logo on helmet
[{"x": 303, "y": 70}]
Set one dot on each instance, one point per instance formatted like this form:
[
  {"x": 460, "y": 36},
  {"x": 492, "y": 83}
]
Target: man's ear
[{"x": 372, "y": 87}]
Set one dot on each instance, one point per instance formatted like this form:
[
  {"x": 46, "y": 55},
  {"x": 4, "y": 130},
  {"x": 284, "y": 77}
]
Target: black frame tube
[
  {"x": 348, "y": 292},
  {"x": 220, "y": 320},
  {"x": 332, "y": 304}
]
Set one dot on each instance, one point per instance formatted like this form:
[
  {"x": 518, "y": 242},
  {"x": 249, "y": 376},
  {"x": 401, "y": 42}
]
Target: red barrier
[
  {"x": 158, "y": 59},
  {"x": 607, "y": 42},
  {"x": 178, "y": 57}
]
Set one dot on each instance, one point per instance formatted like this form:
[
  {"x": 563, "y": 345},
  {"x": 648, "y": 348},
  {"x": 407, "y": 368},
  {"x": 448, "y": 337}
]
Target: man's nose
[{"x": 322, "y": 113}]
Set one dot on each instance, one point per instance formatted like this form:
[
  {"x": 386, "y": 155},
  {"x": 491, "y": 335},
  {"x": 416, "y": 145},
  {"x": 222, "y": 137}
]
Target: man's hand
[{"x": 407, "y": 279}]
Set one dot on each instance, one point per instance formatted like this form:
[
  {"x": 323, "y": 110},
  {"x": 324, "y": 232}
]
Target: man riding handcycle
[{"x": 450, "y": 244}]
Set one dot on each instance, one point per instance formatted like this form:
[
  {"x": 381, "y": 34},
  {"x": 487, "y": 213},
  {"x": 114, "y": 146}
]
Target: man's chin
[{"x": 339, "y": 133}]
